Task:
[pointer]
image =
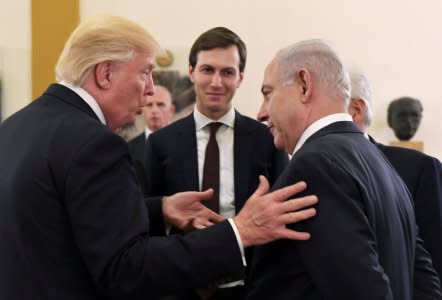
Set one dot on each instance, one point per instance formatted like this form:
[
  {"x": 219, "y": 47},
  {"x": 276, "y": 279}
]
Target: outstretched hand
[
  {"x": 186, "y": 212},
  {"x": 265, "y": 215}
]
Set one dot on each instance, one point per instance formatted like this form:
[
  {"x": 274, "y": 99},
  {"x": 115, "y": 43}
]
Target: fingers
[
  {"x": 288, "y": 191},
  {"x": 295, "y": 235},
  {"x": 263, "y": 187},
  {"x": 298, "y": 203},
  {"x": 206, "y": 195},
  {"x": 294, "y": 217},
  {"x": 213, "y": 216},
  {"x": 199, "y": 223}
]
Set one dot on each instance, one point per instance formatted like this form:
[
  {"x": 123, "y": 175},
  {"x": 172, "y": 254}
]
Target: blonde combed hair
[{"x": 98, "y": 39}]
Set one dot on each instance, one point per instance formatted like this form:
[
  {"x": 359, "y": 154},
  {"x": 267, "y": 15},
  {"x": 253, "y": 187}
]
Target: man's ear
[
  {"x": 305, "y": 83},
  {"x": 241, "y": 77},
  {"x": 356, "y": 109},
  {"x": 102, "y": 74},
  {"x": 191, "y": 73}
]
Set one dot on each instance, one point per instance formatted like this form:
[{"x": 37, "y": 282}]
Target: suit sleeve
[
  {"x": 428, "y": 208},
  {"x": 426, "y": 282},
  {"x": 110, "y": 224}
]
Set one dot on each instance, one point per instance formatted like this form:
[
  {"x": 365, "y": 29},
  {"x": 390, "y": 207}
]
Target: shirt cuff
[{"x": 238, "y": 239}]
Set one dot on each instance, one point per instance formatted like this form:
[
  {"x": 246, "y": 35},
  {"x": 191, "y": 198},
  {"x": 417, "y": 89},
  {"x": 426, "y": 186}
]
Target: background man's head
[
  {"x": 111, "y": 58},
  {"x": 159, "y": 109},
  {"x": 216, "y": 64},
  {"x": 360, "y": 107},
  {"x": 404, "y": 117},
  {"x": 303, "y": 83}
]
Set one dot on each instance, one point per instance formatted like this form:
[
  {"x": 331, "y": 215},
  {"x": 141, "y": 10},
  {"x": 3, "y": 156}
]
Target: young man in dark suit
[
  {"x": 177, "y": 154},
  {"x": 73, "y": 223},
  {"x": 421, "y": 173},
  {"x": 364, "y": 243}
]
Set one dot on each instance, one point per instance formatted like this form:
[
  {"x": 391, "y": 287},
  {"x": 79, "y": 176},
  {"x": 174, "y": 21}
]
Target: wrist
[{"x": 243, "y": 232}]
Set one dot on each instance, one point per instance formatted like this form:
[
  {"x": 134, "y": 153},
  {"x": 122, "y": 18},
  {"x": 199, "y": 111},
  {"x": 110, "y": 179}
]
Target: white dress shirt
[{"x": 224, "y": 137}]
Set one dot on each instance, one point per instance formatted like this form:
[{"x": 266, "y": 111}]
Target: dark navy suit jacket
[
  {"x": 423, "y": 176},
  {"x": 73, "y": 223},
  {"x": 363, "y": 242}
]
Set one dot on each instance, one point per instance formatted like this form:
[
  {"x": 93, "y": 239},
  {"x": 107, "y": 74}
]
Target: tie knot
[{"x": 214, "y": 126}]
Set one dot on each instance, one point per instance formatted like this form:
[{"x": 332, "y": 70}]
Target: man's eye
[{"x": 206, "y": 70}]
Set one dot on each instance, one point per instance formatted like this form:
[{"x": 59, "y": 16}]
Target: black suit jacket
[
  {"x": 423, "y": 176},
  {"x": 172, "y": 159},
  {"x": 137, "y": 147},
  {"x": 73, "y": 223},
  {"x": 363, "y": 240}
]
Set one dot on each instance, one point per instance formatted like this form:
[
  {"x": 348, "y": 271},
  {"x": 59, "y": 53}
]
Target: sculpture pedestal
[{"x": 419, "y": 146}]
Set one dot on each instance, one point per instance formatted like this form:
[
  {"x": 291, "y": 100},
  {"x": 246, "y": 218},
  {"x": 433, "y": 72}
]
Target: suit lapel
[
  {"x": 242, "y": 156},
  {"x": 188, "y": 158}
]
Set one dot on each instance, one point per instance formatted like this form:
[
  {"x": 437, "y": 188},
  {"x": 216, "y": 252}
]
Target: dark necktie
[{"x": 211, "y": 168}]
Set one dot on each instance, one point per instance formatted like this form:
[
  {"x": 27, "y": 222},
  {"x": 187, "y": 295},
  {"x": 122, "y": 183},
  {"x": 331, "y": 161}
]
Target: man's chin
[{"x": 278, "y": 143}]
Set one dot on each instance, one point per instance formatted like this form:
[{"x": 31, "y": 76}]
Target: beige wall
[
  {"x": 15, "y": 55},
  {"x": 398, "y": 43}
]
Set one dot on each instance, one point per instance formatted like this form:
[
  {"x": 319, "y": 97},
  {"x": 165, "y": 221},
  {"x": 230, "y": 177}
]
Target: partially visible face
[
  {"x": 405, "y": 120},
  {"x": 159, "y": 109},
  {"x": 216, "y": 77},
  {"x": 282, "y": 109},
  {"x": 131, "y": 83}
]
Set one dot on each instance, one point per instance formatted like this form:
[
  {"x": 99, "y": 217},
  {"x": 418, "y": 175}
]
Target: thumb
[
  {"x": 263, "y": 186},
  {"x": 206, "y": 195}
]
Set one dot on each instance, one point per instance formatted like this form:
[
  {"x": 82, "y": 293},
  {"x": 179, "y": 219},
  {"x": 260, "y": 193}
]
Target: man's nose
[
  {"x": 149, "y": 88},
  {"x": 216, "y": 80}
]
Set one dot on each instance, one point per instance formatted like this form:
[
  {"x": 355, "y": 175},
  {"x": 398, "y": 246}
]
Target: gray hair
[
  {"x": 321, "y": 60},
  {"x": 360, "y": 88}
]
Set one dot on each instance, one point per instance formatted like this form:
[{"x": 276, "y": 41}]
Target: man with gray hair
[
  {"x": 421, "y": 173},
  {"x": 364, "y": 243}
]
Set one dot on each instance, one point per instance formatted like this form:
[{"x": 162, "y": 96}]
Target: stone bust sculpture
[{"x": 404, "y": 117}]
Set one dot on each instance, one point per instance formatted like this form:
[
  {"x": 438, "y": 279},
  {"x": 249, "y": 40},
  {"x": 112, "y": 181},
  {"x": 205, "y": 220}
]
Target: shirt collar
[
  {"x": 147, "y": 131},
  {"x": 318, "y": 125},
  {"x": 87, "y": 98},
  {"x": 201, "y": 120}
]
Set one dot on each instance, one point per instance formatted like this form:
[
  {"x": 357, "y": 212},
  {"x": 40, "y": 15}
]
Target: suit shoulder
[
  {"x": 254, "y": 126},
  {"x": 406, "y": 154},
  {"x": 172, "y": 128}
]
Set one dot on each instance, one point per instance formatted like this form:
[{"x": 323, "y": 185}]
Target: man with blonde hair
[
  {"x": 364, "y": 243},
  {"x": 73, "y": 223}
]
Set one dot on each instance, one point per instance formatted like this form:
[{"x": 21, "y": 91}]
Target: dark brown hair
[{"x": 218, "y": 37}]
